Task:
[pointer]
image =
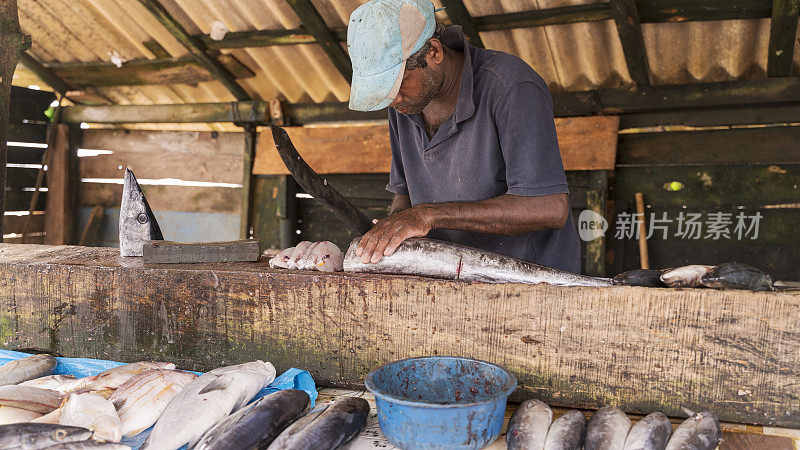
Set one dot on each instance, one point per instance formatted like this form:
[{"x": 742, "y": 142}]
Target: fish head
[
  {"x": 137, "y": 223},
  {"x": 67, "y": 434}
]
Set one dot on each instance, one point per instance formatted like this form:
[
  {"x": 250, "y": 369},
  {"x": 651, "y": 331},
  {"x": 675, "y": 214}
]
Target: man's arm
[{"x": 506, "y": 215}]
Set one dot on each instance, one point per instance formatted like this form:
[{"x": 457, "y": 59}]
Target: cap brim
[{"x": 372, "y": 93}]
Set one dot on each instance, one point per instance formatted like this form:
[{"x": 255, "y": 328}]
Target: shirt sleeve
[
  {"x": 397, "y": 176},
  {"x": 527, "y": 133}
]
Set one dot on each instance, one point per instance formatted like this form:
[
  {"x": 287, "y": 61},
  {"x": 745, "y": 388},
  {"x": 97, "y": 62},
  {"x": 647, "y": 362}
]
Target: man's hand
[{"x": 387, "y": 234}]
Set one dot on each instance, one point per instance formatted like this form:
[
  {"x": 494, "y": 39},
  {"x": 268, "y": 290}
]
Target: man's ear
[{"x": 435, "y": 55}]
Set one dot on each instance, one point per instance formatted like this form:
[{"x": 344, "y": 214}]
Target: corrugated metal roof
[{"x": 569, "y": 57}]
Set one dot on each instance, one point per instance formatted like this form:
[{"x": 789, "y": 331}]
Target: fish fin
[
  {"x": 687, "y": 411},
  {"x": 219, "y": 384}
]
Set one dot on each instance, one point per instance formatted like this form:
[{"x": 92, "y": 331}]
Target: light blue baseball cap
[{"x": 381, "y": 35}]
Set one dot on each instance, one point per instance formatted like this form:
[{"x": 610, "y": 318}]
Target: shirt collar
[{"x": 454, "y": 38}]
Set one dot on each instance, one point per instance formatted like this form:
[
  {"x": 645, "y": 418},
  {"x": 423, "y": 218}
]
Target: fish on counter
[
  {"x": 566, "y": 432},
  {"x": 27, "y": 368},
  {"x": 324, "y": 256},
  {"x": 297, "y": 254},
  {"x": 737, "y": 276},
  {"x": 527, "y": 429},
  {"x": 686, "y": 276},
  {"x": 51, "y": 417},
  {"x": 607, "y": 429},
  {"x": 257, "y": 425},
  {"x": 650, "y": 433},
  {"x": 89, "y": 445},
  {"x": 33, "y": 436},
  {"x": 639, "y": 277},
  {"x": 91, "y": 411},
  {"x": 141, "y": 400},
  {"x": 33, "y": 399},
  {"x": 112, "y": 378},
  {"x": 335, "y": 424},
  {"x": 52, "y": 382},
  {"x": 281, "y": 260},
  {"x": 10, "y": 414},
  {"x": 205, "y": 401},
  {"x": 699, "y": 432},
  {"x": 439, "y": 259}
]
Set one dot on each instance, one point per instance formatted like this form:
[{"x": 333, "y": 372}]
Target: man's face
[{"x": 418, "y": 88}]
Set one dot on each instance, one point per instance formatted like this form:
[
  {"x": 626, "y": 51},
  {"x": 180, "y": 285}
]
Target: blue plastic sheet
[{"x": 85, "y": 367}]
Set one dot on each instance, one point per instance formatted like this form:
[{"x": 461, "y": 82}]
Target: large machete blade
[{"x": 316, "y": 186}]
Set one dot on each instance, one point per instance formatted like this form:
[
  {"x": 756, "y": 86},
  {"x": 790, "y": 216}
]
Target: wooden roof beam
[
  {"x": 630, "y": 35},
  {"x": 196, "y": 48},
  {"x": 458, "y": 13},
  {"x": 314, "y": 23},
  {"x": 783, "y": 30},
  {"x": 45, "y": 74}
]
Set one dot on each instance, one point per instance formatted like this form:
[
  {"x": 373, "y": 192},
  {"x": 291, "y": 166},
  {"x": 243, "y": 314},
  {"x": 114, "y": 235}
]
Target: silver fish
[
  {"x": 686, "y": 276},
  {"x": 699, "y": 432},
  {"x": 257, "y": 425},
  {"x": 30, "y": 398},
  {"x": 566, "y": 432},
  {"x": 737, "y": 276},
  {"x": 650, "y": 433},
  {"x": 528, "y": 427},
  {"x": 607, "y": 429},
  {"x": 142, "y": 399},
  {"x": 112, "y": 378},
  {"x": 137, "y": 223},
  {"x": 336, "y": 425},
  {"x": 33, "y": 436},
  {"x": 24, "y": 369},
  {"x": 89, "y": 445},
  {"x": 91, "y": 411},
  {"x": 49, "y": 382},
  {"x": 205, "y": 401},
  {"x": 439, "y": 259}
]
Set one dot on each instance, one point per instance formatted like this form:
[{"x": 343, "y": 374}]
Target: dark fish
[
  {"x": 432, "y": 258},
  {"x": 650, "y": 433},
  {"x": 335, "y": 425},
  {"x": 737, "y": 276},
  {"x": 699, "y": 432},
  {"x": 31, "y": 436},
  {"x": 24, "y": 369},
  {"x": 137, "y": 223},
  {"x": 257, "y": 425},
  {"x": 639, "y": 277},
  {"x": 566, "y": 432},
  {"x": 528, "y": 427},
  {"x": 607, "y": 429}
]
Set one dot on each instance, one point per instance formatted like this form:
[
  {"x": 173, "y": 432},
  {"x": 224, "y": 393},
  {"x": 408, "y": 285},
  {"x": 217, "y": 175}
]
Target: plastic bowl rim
[{"x": 511, "y": 386}]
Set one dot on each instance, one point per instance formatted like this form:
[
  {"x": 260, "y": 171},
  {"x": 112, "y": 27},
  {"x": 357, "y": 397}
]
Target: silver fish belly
[
  {"x": 24, "y": 369},
  {"x": 699, "y": 432},
  {"x": 528, "y": 427},
  {"x": 32, "y": 436},
  {"x": 439, "y": 259},
  {"x": 686, "y": 276},
  {"x": 607, "y": 429},
  {"x": 650, "y": 433},
  {"x": 257, "y": 425},
  {"x": 566, "y": 432},
  {"x": 336, "y": 425}
]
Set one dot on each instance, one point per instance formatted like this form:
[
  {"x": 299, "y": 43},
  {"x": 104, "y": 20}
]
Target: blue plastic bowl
[{"x": 439, "y": 402}]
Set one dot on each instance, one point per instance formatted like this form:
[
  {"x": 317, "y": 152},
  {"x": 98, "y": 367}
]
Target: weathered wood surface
[
  {"x": 736, "y": 353},
  {"x": 586, "y": 143}
]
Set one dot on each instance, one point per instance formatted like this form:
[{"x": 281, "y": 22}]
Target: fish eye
[
  {"x": 141, "y": 218},
  {"x": 60, "y": 434}
]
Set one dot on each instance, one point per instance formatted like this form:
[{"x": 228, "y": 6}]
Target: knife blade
[{"x": 316, "y": 186}]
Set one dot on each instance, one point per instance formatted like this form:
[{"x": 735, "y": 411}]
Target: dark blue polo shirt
[{"x": 501, "y": 139}]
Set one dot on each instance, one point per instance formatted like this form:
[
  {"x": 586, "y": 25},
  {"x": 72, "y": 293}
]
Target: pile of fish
[
  {"x": 532, "y": 428},
  {"x": 210, "y": 411},
  {"x": 724, "y": 276},
  {"x": 324, "y": 256}
]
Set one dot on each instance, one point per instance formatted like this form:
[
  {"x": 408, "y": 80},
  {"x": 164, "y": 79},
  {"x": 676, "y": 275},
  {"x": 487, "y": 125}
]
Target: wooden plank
[
  {"x": 19, "y": 200},
  {"x": 14, "y": 224},
  {"x": 782, "y": 33},
  {"x": 24, "y": 155},
  {"x": 641, "y": 349},
  {"x": 705, "y": 117},
  {"x": 180, "y": 113},
  {"x": 45, "y": 74},
  {"x": 776, "y": 145},
  {"x": 629, "y": 29},
  {"x": 652, "y": 11},
  {"x": 185, "y": 70},
  {"x": 586, "y": 143},
  {"x": 540, "y": 17},
  {"x": 458, "y": 14},
  {"x": 156, "y": 49},
  {"x": 748, "y": 441},
  {"x": 266, "y": 219},
  {"x": 164, "y": 198},
  {"x": 60, "y": 206},
  {"x": 21, "y": 177},
  {"x": 330, "y": 44},
  {"x": 27, "y": 132},
  {"x": 169, "y": 252},
  {"x": 263, "y": 38}
]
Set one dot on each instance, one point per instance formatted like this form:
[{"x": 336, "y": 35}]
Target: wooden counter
[{"x": 736, "y": 353}]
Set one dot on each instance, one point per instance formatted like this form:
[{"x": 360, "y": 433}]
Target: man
[{"x": 475, "y": 158}]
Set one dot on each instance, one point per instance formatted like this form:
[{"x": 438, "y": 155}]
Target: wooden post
[
  {"x": 12, "y": 44},
  {"x": 645, "y": 259},
  {"x": 287, "y": 211},
  {"x": 594, "y": 262},
  {"x": 250, "y": 139},
  {"x": 58, "y": 212}
]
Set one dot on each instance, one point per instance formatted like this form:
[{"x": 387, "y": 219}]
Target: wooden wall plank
[
  {"x": 166, "y": 198},
  {"x": 59, "y": 204},
  {"x": 19, "y": 200},
  {"x": 641, "y": 349},
  {"x": 587, "y": 143},
  {"x": 14, "y": 224}
]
